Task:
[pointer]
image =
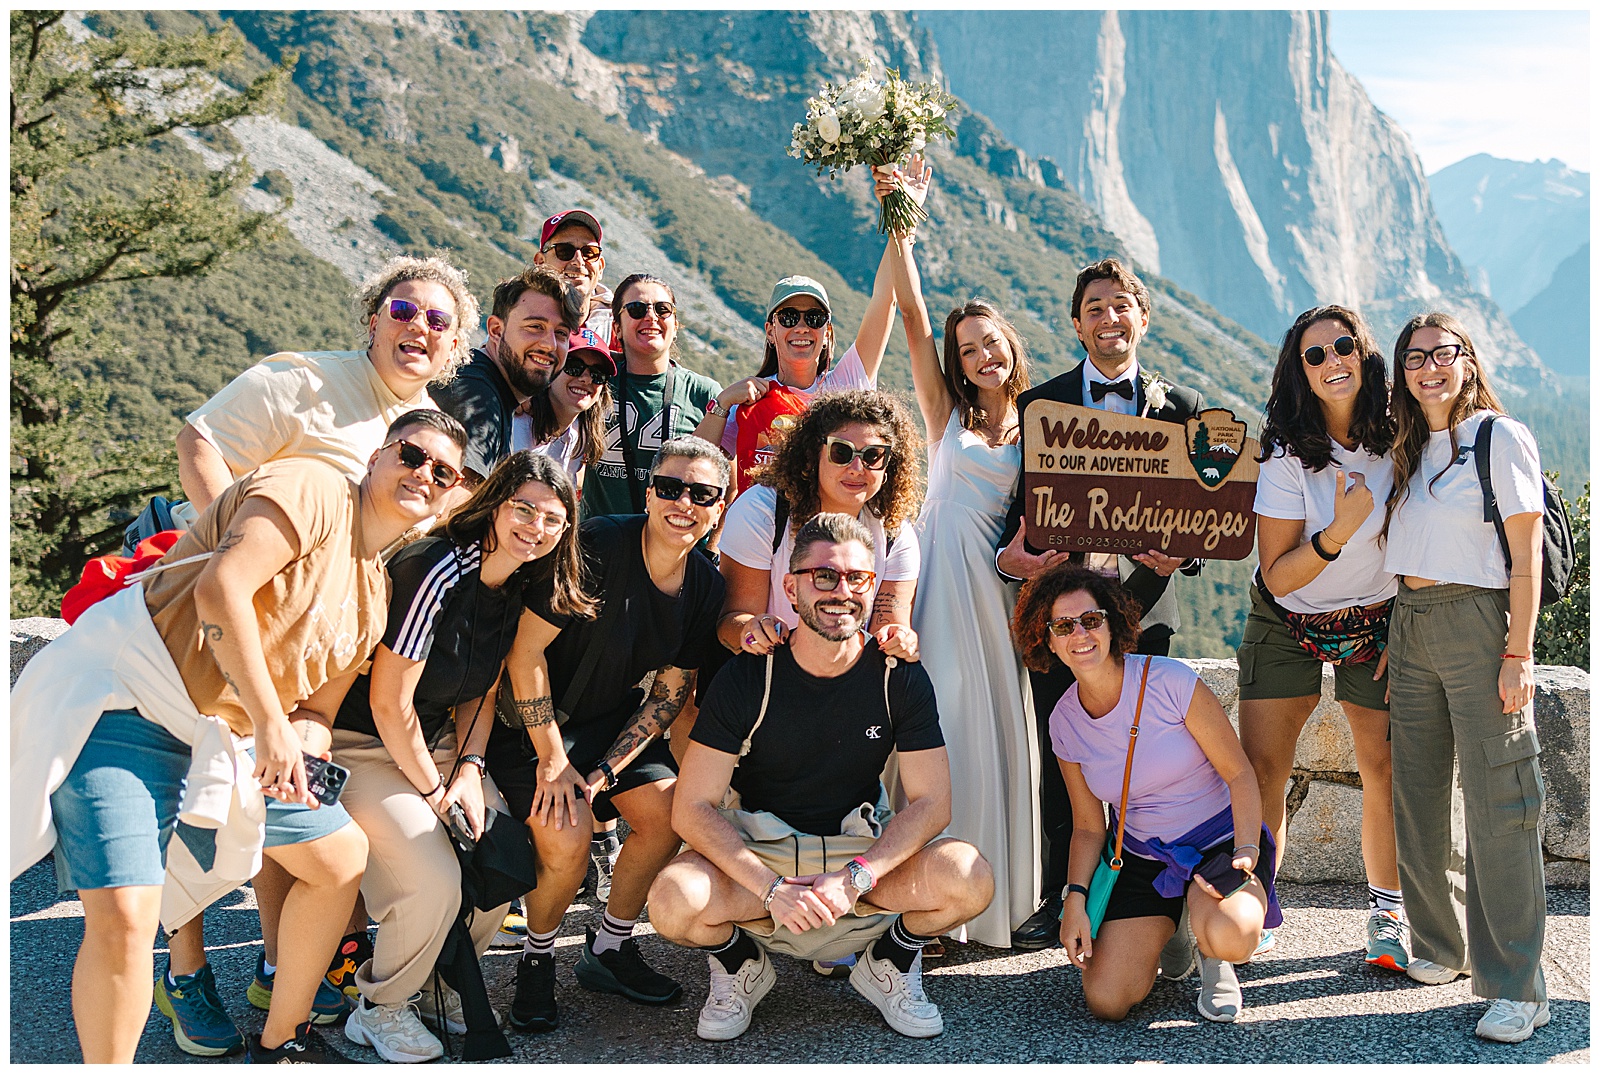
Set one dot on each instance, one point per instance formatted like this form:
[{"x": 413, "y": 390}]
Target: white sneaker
[
  {"x": 898, "y": 996},
  {"x": 604, "y": 866},
  {"x": 392, "y": 1030},
  {"x": 734, "y": 997},
  {"x": 1512, "y": 1021},
  {"x": 1220, "y": 996},
  {"x": 455, "y": 1019},
  {"x": 1430, "y": 973}
]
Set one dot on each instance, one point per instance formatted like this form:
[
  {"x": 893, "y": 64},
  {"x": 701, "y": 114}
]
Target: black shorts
[
  {"x": 1135, "y": 893},
  {"x": 512, "y": 763}
]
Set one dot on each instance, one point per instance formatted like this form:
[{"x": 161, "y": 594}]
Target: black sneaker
[
  {"x": 533, "y": 1004},
  {"x": 305, "y": 1046},
  {"x": 624, "y": 973}
]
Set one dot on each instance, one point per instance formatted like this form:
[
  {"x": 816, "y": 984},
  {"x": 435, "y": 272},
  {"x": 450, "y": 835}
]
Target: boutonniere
[{"x": 1155, "y": 390}]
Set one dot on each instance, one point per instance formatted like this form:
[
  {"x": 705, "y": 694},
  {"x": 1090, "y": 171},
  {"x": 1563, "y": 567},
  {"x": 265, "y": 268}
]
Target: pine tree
[{"x": 80, "y": 101}]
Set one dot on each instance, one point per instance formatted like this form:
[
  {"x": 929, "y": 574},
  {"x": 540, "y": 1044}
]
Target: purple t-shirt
[{"x": 1173, "y": 787}]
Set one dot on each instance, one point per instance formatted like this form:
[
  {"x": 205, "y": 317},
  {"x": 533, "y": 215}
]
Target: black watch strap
[
  {"x": 1079, "y": 888},
  {"x": 477, "y": 759},
  {"x": 611, "y": 777}
]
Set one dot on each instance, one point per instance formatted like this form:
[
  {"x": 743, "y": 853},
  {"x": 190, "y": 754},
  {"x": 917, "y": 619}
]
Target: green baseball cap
[{"x": 790, "y": 286}]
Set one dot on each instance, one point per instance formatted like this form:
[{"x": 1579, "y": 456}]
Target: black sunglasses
[
  {"x": 672, "y": 489},
  {"x": 577, "y": 367},
  {"x": 566, "y": 251},
  {"x": 826, "y": 579},
  {"x": 442, "y": 473},
  {"x": 841, "y": 452},
  {"x": 1344, "y": 347},
  {"x": 788, "y": 317},
  {"x": 639, "y": 310},
  {"x": 1064, "y": 626}
]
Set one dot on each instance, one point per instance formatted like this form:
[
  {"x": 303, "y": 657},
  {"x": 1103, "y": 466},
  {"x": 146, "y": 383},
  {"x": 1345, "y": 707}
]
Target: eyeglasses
[
  {"x": 566, "y": 251},
  {"x": 842, "y": 452},
  {"x": 1444, "y": 356},
  {"x": 672, "y": 489},
  {"x": 1064, "y": 626},
  {"x": 406, "y": 312},
  {"x": 640, "y": 310},
  {"x": 412, "y": 458},
  {"x": 788, "y": 317},
  {"x": 525, "y": 514},
  {"x": 577, "y": 368},
  {"x": 826, "y": 579},
  {"x": 1344, "y": 347}
]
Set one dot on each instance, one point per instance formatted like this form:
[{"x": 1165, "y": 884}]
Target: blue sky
[{"x": 1512, "y": 84}]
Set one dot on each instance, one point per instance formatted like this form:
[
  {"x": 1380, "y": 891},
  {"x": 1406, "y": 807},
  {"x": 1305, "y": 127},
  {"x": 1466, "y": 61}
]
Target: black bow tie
[{"x": 1099, "y": 389}]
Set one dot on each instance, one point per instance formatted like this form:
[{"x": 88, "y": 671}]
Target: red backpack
[{"x": 105, "y": 576}]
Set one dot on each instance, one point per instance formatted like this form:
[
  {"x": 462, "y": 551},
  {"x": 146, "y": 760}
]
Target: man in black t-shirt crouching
[{"x": 807, "y": 859}]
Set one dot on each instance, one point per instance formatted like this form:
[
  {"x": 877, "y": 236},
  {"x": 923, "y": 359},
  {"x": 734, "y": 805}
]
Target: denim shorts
[{"x": 118, "y": 808}]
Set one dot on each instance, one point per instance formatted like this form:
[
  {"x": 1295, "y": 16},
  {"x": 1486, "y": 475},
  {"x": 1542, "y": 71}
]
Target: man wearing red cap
[{"x": 569, "y": 245}]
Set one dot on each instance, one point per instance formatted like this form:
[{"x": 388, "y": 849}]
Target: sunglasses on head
[
  {"x": 1443, "y": 356},
  {"x": 672, "y": 489},
  {"x": 1064, "y": 626},
  {"x": 412, "y": 457},
  {"x": 566, "y": 251},
  {"x": 406, "y": 312},
  {"x": 1344, "y": 347},
  {"x": 577, "y": 368},
  {"x": 873, "y": 456},
  {"x": 640, "y": 310},
  {"x": 826, "y": 579},
  {"x": 789, "y": 316}
]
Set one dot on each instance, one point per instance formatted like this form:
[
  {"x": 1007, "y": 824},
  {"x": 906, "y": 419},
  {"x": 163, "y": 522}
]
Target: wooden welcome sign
[{"x": 1094, "y": 481}]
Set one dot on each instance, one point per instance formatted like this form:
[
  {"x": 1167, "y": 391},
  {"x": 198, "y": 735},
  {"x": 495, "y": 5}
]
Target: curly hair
[
  {"x": 794, "y": 470},
  {"x": 1030, "y": 623},
  {"x": 1293, "y": 416},
  {"x": 962, "y": 390},
  {"x": 397, "y": 270},
  {"x": 1411, "y": 424}
]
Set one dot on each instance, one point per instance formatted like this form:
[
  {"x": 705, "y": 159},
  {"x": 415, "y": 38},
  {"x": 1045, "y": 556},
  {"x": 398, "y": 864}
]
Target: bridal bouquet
[{"x": 867, "y": 121}]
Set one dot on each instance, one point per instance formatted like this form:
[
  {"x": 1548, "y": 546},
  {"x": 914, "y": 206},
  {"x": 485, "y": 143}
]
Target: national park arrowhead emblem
[{"x": 1215, "y": 440}]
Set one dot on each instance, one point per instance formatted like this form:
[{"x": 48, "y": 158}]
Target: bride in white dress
[{"x": 963, "y": 608}]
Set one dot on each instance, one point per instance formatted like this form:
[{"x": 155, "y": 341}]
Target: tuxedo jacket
[{"x": 1143, "y": 584}]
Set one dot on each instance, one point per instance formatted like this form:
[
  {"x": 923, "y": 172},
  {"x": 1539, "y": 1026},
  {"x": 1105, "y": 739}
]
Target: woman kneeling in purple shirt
[{"x": 1188, "y": 789}]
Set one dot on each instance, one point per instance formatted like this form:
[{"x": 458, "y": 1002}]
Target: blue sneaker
[
  {"x": 327, "y": 1006},
  {"x": 200, "y": 1025}
]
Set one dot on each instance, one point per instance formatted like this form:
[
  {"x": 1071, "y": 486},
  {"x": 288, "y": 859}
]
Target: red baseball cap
[
  {"x": 572, "y": 216},
  {"x": 585, "y": 341}
]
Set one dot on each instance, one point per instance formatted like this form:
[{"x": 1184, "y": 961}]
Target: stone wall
[{"x": 1324, "y": 834}]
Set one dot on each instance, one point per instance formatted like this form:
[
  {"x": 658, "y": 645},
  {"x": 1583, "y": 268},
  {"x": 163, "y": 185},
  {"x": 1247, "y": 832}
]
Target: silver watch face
[{"x": 859, "y": 878}]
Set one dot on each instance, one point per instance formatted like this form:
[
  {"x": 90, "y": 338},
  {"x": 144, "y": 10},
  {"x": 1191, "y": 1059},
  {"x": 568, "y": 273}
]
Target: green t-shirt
[{"x": 605, "y": 487}]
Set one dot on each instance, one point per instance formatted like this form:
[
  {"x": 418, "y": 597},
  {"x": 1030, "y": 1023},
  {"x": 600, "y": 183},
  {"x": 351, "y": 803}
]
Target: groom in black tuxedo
[{"x": 1111, "y": 314}]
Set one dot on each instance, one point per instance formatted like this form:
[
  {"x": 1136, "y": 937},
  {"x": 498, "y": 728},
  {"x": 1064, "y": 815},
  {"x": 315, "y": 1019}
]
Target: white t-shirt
[
  {"x": 747, "y": 540},
  {"x": 1440, "y": 533},
  {"x": 1287, "y": 489},
  {"x": 564, "y": 449},
  {"x": 846, "y": 373}
]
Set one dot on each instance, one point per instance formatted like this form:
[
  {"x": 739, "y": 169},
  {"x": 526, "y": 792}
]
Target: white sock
[
  {"x": 268, "y": 968},
  {"x": 613, "y": 931},
  {"x": 1385, "y": 899},
  {"x": 540, "y": 943}
]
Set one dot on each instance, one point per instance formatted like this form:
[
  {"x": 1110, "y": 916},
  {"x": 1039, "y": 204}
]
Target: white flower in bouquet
[{"x": 828, "y": 127}]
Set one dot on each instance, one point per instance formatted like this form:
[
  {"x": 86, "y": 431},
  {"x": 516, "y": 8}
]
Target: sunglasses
[
  {"x": 1344, "y": 347},
  {"x": 1444, "y": 357},
  {"x": 566, "y": 251},
  {"x": 412, "y": 458},
  {"x": 406, "y": 312},
  {"x": 640, "y": 310},
  {"x": 788, "y": 317},
  {"x": 1064, "y": 626},
  {"x": 577, "y": 368},
  {"x": 826, "y": 579},
  {"x": 842, "y": 452},
  {"x": 525, "y": 514},
  {"x": 672, "y": 489}
]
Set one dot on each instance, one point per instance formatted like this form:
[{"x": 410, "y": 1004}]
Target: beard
[
  {"x": 837, "y": 631},
  {"x": 523, "y": 381}
]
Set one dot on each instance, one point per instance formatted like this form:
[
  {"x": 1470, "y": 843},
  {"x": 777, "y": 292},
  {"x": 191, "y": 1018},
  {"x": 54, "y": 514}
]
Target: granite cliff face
[{"x": 1233, "y": 154}]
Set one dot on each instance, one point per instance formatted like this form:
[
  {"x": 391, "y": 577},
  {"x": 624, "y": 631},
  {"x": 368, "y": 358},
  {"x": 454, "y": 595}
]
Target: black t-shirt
[
  {"x": 820, "y": 750},
  {"x": 441, "y": 612},
  {"x": 650, "y": 630},
  {"x": 481, "y": 400}
]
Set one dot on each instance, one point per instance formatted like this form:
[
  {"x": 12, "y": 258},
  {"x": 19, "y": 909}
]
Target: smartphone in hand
[{"x": 325, "y": 780}]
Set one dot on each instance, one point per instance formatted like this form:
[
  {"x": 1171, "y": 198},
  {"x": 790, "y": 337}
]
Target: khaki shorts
[
  {"x": 800, "y": 854},
  {"x": 1273, "y": 665}
]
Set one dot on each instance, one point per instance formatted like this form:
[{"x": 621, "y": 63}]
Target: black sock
[
  {"x": 738, "y": 950},
  {"x": 900, "y": 945}
]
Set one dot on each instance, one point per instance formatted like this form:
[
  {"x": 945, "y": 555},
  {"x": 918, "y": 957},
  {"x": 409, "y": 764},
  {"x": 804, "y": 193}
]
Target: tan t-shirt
[
  {"x": 323, "y": 404},
  {"x": 319, "y": 617}
]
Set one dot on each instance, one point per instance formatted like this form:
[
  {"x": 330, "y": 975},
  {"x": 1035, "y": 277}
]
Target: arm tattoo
[
  {"x": 885, "y": 604},
  {"x": 535, "y": 712},
  {"x": 666, "y": 700},
  {"x": 211, "y": 632},
  {"x": 229, "y": 680},
  {"x": 229, "y": 540}
]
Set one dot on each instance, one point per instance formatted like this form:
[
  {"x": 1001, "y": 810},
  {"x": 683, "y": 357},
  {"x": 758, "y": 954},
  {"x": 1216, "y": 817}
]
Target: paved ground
[{"x": 1310, "y": 1000}]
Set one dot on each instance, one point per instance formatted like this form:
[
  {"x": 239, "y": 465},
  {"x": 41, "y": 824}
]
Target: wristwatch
[
  {"x": 861, "y": 877},
  {"x": 715, "y": 406},
  {"x": 605, "y": 770},
  {"x": 473, "y": 758}
]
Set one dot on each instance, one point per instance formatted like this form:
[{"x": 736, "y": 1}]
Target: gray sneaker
[
  {"x": 1177, "y": 957},
  {"x": 1220, "y": 996}
]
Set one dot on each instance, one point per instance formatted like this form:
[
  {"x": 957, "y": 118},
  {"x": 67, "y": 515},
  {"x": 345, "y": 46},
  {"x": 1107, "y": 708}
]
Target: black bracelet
[
  {"x": 1079, "y": 888},
  {"x": 1316, "y": 546},
  {"x": 611, "y": 777}
]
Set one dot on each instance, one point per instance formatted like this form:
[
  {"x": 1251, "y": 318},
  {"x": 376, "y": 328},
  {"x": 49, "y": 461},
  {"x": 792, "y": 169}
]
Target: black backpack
[{"x": 1559, "y": 550}]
